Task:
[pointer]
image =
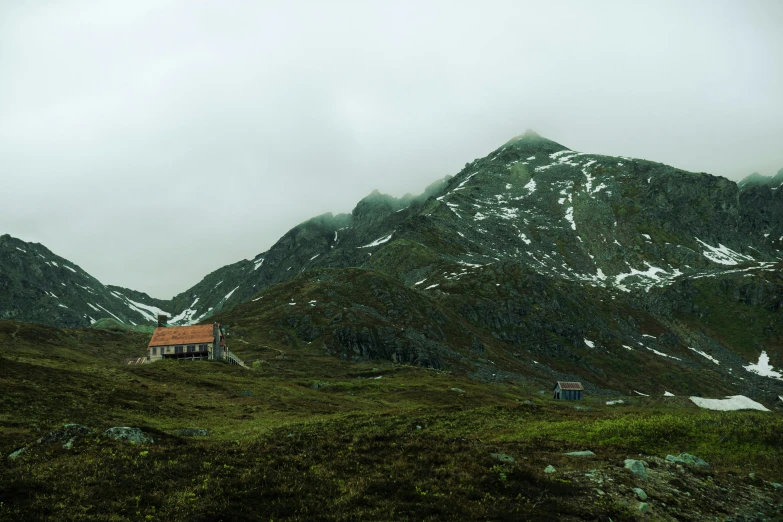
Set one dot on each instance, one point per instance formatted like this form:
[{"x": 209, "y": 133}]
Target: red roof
[
  {"x": 570, "y": 385},
  {"x": 175, "y": 335}
]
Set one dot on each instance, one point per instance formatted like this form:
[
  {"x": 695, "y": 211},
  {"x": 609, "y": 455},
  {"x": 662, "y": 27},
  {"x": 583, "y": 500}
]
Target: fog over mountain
[{"x": 153, "y": 142}]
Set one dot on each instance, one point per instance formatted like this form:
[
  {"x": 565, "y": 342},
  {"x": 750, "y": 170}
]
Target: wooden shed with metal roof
[{"x": 568, "y": 391}]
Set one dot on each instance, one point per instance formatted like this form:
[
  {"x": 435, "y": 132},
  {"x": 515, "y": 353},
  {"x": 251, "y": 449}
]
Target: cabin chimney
[{"x": 162, "y": 320}]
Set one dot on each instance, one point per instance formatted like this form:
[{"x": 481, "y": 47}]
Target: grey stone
[
  {"x": 549, "y": 469},
  {"x": 18, "y": 453},
  {"x": 132, "y": 435},
  {"x": 640, "y": 493},
  {"x": 644, "y": 507},
  {"x": 191, "y": 432},
  {"x": 503, "y": 457},
  {"x": 687, "y": 458},
  {"x": 246, "y": 393},
  {"x": 637, "y": 468},
  {"x": 587, "y": 453},
  {"x": 67, "y": 434},
  {"x": 776, "y": 485},
  {"x": 458, "y": 390}
]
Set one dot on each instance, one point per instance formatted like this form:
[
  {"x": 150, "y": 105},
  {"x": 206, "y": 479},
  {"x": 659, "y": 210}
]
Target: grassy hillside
[{"x": 304, "y": 435}]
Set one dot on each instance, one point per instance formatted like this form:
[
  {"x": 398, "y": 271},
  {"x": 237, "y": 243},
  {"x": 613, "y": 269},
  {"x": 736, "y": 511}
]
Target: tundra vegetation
[{"x": 306, "y": 436}]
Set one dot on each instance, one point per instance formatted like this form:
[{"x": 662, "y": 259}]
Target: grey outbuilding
[{"x": 568, "y": 391}]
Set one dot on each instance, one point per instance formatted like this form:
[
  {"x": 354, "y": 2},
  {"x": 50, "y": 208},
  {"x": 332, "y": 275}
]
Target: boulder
[
  {"x": 687, "y": 458},
  {"x": 191, "y": 432},
  {"x": 18, "y": 453},
  {"x": 637, "y": 468},
  {"x": 132, "y": 435},
  {"x": 67, "y": 434},
  {"x": 640, "y": 493},
  {"x": 549, "y": 469},
  {"x": 587, "y": 453},
  {"x": 503, "y": 457}
]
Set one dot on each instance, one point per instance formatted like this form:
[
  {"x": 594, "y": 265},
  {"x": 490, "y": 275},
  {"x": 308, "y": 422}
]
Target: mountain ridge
[
  {"x": 372, "y": 215},
  {"x": 508, "y": 252}
]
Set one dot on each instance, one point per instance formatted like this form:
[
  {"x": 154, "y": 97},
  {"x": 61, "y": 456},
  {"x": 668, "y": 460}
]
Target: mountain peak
[
  {"x": 757, "y": 179},
  {"x": 531, "y": 141}
]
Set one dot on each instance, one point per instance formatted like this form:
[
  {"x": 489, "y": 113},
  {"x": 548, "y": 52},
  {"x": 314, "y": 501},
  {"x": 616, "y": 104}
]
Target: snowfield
[
  {"x": 763, "y": 367},
  {"x": 732, "y": 403}
]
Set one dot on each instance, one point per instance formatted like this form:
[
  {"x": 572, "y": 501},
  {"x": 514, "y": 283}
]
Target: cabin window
[
  {"x": 202, "y": 347},
  {"x": 154, "y": 351},
  {"x": 191, "y": 348}
]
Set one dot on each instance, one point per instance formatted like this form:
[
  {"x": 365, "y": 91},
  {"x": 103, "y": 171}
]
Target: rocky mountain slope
[
  {"x": 535, "y": 260},
  {"x": 39, "y": 286},
  {"x": 617, "y": 223}
]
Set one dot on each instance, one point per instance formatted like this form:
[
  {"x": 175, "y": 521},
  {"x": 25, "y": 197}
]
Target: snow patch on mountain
[
  {"x": 378, "y": 241},
  {"x": 705, "y": 355},
  {"x": 731, "y": 403},
  {"x": 763, "y": 368},
  {"x": 723, "y": 254}
]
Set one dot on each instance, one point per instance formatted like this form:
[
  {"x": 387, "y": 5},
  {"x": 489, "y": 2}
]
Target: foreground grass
[{"x": 306, "y": 436}]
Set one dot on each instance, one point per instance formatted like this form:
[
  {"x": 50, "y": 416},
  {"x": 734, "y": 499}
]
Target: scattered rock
[
  {"x": 548, "y": 469},
  {"x": 775, "y": 485},
  {"x": 637, "y": 468},
  {"x": 458, "y": 390},
  {"x": 587, "y": 453},
  {"x": 191, "y": 432},
  {"x": 640, "y": 493},
  {"x": 317, "y": 385},
  {"x": 246, "y": 393},
  {"x": 132, "y": 435},
  {"x": 644, "y": 507},
  {"x": 687, "y": 458},
  {"x": 503, "y": 457},
  {"x": 18, "y": 453},
  {"x": 67, "y": 435}
]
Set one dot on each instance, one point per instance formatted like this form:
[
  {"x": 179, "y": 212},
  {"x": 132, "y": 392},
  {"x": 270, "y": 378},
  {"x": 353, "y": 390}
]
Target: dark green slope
[
  {"x": 616, "y": 251},
  {"x": 39, "y": 286},
  {"x": 527, "y": 327},
  {"x": 616, "y": 271}
]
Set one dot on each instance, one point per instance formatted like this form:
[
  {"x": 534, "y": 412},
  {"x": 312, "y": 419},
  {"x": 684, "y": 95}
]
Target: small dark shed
[{"x": 568, "y": 391}]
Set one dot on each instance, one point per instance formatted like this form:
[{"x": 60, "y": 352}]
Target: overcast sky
[{"x": 153, "y": 141}]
